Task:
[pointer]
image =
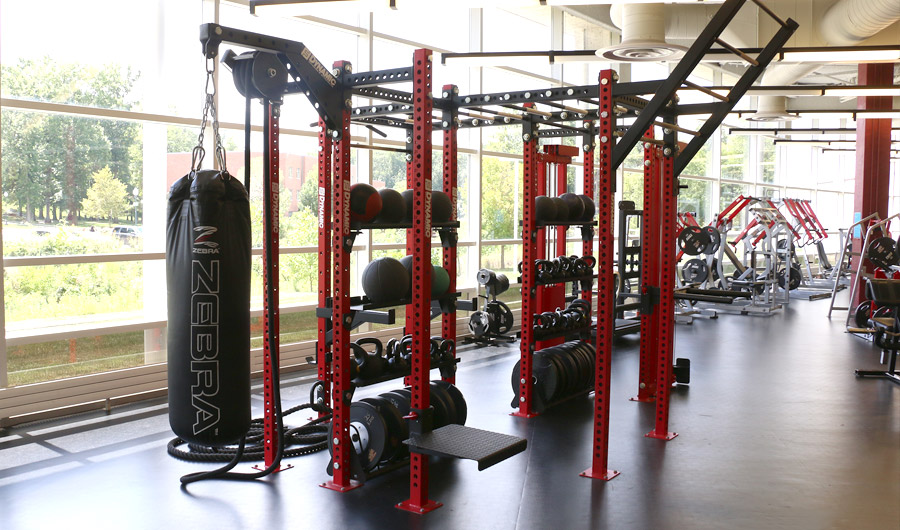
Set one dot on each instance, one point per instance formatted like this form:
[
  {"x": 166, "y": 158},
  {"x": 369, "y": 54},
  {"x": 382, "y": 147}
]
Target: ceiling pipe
[{"x": 846, "y": 23}]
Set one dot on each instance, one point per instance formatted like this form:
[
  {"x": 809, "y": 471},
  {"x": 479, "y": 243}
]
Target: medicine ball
[
  {"x": 441, "y": 207},
  {"x": 562, "y": 210},
  {"x": 365, "y": 202},
  {"x": 589, "y": 208},
  {"x": 408, "y": 202},
  {"x": 440, "y": 281},
  {"x": 544, "y": 209},
  {"x": 576, "y": 207},
  {"x": 393, "y": 207},
  {"x": 385, "y": 279}
]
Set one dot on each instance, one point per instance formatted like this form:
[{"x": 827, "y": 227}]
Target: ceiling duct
[
  {"x": 643, "y": 34},
  {"x": 847, "y": 22}
]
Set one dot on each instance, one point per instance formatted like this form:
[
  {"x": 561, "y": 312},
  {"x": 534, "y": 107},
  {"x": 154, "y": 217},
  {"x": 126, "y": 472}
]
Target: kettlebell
[{"x": 375, "y": 364}]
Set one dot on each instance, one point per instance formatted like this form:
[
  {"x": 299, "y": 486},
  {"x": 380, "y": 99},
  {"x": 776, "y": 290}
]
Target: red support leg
[
  {"x": 270, "y": 281},
  {"x": 448, "y": 320},
  {"x": 587, "y": 246},
  {"x": 665, "y": 311},
  {"x": 529, "y": 290},
  {"x": 650, "y": 243},
  {"x": 341, "y": 248},
  {"x": 322, "y": 349},
  {"x": 418, "y": 313},
  {"x": 873, "y": 145},
  {"x": 606, "y": 302}
]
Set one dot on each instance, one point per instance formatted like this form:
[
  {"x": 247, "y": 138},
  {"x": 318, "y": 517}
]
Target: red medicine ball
[{"x": 365, "y": 203}]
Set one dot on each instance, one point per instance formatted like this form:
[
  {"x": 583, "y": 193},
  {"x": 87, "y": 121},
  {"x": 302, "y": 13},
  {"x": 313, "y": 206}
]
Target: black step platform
[{"x": 485, "y": 447}]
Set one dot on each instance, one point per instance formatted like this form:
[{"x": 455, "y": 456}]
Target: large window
[{"x": 98, "y": 123}]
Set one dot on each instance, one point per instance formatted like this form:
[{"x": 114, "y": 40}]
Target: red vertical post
[
  {"x": 418, "y": 313},
  {"x": 606, "y": 303},
  {"x": 873, "y": 153},
  {"x": 587, "y": 245},
  {"x": 664, "y": 313},
  {"x": 270, "y": 279},
  {"x": 530, "y": 173},
  {"x": 650, "y": 244},
  {"x": 342, "y": 248},
  {"x": 324, "y": 208},
  {"x": 541, "y": 295},
  {"x": 448, "y": 320}
]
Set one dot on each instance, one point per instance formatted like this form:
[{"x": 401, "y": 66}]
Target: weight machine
[{"x": 277, "y": 67}]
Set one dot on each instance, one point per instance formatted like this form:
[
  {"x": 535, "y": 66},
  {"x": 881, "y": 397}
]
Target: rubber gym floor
[{"x": 775, "y": 432}]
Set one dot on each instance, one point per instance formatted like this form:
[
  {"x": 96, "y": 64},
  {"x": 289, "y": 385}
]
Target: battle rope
[{"x": 298, "y": 441}]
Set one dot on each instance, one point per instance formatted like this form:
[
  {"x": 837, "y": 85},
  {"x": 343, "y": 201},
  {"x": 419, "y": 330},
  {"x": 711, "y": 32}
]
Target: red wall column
[{"x": 873, "y": 151}]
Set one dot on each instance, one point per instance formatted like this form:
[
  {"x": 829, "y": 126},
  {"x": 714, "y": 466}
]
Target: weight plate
[
  {"x": 571, "y": 373},
  {"x": 443, "y": 411},
  {"x": 401, "y": 403},
  {"x": 883, "y": 312},
  {"x": 861, "y": 317},
  {"x": 715, "y": 239},
  {"x": 371, "y": 430},
  {"x": 394, "y": 423},
  {"x": 506, "y": 318},
  {"x": 581, "y": 364},
  {"x": 692, "y": 240},
  {"x": 462, "y": 410},
  {"x": 883, "y": 253},
  {"x": 695, "y": 271}
]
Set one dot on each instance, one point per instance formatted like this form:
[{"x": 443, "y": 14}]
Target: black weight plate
[
  {"x": 547, "y": 373},
  {"x": 861, "y": 318},
  {"x": 564, "y": 376},
  {"x": 692, "y": 240},
  {"x": 883, "y": 253},
  {"x": 395, "y": 426},
  {"x": 376, "y": 432},
  {"x": 580, "y": 365},
  {"x": 558, "y": 370},
  {"x": 443, "y": 415},
  {"x": 506, "y": 318},
  {"x": 883, "y": 312},
  {"x": 588, "y": 366},
  {"x": 794, "y": 279},
  {"x": 589, "y": 363},
  {"x": 462, "y": 410},
  {"x": 695, "y": 271},
  {"x": 715, "y": 239},
  {"x": 400, "y": 401},
  {"x": 571, "y": 372},
  {"x": 514, "y": 379}
]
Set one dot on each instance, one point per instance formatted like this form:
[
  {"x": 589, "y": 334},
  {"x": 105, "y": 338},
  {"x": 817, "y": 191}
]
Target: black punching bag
[{"x": 208, "y": 285}]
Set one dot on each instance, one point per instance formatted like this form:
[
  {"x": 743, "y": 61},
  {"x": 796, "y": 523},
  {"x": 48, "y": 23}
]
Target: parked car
[{"x": 127, "y": 234}]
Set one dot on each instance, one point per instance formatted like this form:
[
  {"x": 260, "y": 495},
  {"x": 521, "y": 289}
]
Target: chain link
[{"x": 209, "y": 111}]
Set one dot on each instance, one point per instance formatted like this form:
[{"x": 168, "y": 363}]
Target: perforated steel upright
[
  {"x": 529, "y": 289},
  {"x": 664, "y": 313},
  {"x": 587, "y": 244},
  {"x": 418, "y": 312},
  {"x": 270, "y": 278},
  {"x": 324, "y": 210},
  {"x": 342, "y": 248},
  {"x": 650, "y": 240},
  {"x": 451, "y": 129},
  {"x": 605, "y": 296}
]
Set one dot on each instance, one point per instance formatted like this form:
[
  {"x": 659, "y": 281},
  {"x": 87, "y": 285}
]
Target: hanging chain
[{"x": 209, "y": 111}]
